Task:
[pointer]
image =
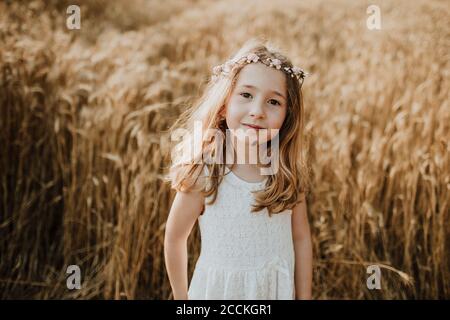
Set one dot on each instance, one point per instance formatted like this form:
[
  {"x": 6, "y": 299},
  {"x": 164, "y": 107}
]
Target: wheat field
[{"x": 84, "y": 116}]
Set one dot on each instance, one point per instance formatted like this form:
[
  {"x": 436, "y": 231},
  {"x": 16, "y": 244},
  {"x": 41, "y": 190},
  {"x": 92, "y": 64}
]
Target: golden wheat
[{"x": 83, "y": 131}]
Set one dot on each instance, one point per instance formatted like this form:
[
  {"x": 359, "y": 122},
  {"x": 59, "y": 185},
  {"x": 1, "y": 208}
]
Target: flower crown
[{"x": 226, "y": 68}]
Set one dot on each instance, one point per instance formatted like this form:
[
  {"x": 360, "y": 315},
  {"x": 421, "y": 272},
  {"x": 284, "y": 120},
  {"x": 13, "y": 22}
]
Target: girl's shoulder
[{"x": 190, "y": 178}]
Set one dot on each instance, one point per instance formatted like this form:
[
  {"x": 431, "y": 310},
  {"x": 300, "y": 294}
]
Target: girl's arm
[
  {"x": 186, "y": 208},
  {"x": 303, "y": 251}
]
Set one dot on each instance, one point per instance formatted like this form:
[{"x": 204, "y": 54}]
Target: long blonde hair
[{"x": 283, "y": 188}]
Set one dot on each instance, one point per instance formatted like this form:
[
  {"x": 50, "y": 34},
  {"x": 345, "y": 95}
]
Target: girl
[{"x": 255, "y": 237}]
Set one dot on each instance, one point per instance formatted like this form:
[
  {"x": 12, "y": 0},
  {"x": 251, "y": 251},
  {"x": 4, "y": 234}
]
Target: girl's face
[{"x": 258, "y": 101}]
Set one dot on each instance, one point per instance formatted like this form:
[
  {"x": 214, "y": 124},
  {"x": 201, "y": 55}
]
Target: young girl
[{"x": 255, "y": 237}]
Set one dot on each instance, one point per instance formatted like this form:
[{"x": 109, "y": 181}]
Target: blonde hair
[{"x": 282, "y": 189}]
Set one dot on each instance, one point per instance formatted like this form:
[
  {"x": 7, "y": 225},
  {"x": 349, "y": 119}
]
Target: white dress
[{"x": 243, "y": 255}]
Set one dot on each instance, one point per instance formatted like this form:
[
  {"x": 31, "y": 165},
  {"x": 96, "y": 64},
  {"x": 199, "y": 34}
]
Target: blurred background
[{"x": 84, "y": 115}]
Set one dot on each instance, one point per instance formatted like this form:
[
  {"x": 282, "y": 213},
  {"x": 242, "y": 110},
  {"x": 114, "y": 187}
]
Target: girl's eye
[
  {"x": 274, "y": 102},
  {"x": 246, "y": 95}
]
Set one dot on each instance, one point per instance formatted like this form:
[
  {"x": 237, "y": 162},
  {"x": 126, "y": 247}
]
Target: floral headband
[{"x": 226, "y": 68}]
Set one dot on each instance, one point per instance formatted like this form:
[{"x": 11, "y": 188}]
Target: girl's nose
[{"x": 257, "y": 110}]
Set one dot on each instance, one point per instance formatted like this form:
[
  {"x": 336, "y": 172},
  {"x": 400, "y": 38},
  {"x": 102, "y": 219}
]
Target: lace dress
[{"x": 243, "y": 255}]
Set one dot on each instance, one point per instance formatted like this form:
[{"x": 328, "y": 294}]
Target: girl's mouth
[{"x": 253, "y": 126}]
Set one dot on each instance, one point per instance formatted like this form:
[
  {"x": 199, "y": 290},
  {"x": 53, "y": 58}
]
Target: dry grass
[{"x": 82, "y": 130}]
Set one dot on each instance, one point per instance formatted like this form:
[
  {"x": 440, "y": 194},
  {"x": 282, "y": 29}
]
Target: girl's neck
[
  {"x": 248, "y": 156},
  {"x": 246, "y": 166},
  {"x": 247, "y": 172}
]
